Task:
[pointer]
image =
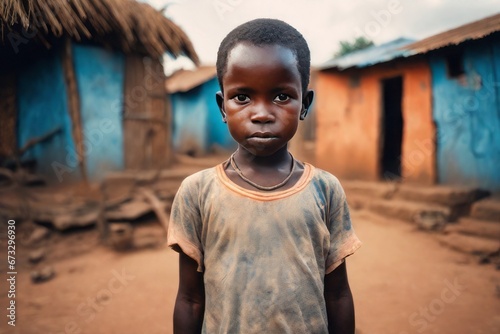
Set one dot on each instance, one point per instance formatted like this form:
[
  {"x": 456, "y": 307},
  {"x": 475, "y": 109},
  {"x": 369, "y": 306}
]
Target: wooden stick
[
  {"x": 74, "y": 106},
  {"x": 102, "y": 223},
  {"x": 32, "y": 142},
  {"x": 157, "y": 207}
]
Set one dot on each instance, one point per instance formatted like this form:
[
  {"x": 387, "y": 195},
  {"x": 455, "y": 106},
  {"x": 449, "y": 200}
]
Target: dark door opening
[{"x": 392, "y": 128}]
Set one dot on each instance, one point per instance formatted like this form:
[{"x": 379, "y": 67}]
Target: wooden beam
[
  {"x": 74, "y": 105},
  {"x": 34, "y": 141},
  {"x": 8, "y": 114},
  {"x": 158, "y": 208}
]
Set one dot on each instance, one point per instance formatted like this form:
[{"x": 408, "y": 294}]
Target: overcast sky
[{"x": 323, "y": 22}]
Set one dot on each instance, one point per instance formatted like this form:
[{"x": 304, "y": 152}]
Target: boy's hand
[
  {"x": 190, "y": 302},
  {"x": 339, "y": 303}
]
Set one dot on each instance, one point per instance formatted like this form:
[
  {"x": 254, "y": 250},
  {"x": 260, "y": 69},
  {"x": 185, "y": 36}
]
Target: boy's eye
[
  {"x": 241, "y": 98},
  {"x": 281, "y": 97}
]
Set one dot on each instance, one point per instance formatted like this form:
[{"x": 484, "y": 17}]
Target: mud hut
[
  {"x": 374, "y": 110},
  {"x": 82, "y": 86},
  {"x": 421, "y": 112},
  {"x": 198, "y": 128},
  {"x": 465, "y": 69}
]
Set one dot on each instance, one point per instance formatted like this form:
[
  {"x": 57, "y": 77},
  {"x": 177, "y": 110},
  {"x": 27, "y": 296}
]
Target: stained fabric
[{"x": 263, "y": 255}]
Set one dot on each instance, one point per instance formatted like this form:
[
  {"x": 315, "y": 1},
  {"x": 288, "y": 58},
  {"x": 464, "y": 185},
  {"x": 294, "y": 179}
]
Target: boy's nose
[{"x": 262, "y": 115}]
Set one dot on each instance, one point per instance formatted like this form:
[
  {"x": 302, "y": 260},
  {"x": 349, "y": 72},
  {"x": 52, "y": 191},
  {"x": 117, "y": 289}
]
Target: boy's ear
[
  {"x": 220, "y": 102},
  {"x": 306, "y": 103}
]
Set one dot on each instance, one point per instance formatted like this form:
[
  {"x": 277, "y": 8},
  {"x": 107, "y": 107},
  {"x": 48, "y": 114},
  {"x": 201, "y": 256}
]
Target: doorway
[{"x": 392, "y": 128}]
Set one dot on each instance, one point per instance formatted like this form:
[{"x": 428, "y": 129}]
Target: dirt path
[{"x": 403, "y": 282}]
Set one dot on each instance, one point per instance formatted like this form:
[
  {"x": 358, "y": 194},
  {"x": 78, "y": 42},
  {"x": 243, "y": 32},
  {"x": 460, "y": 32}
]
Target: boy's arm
[
  {"x": 339, "y": 303},
  {"x": 190, "y": 302}
]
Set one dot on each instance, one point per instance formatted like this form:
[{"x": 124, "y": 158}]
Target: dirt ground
[{"x": 402, "y": 280}]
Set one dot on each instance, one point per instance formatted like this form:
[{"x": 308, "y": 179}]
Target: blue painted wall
[
  {"x": 197, "y": 122},
  {"x": 42, "y": 107},
  {"x": 467, "y": 115},
  {"x": 189, "y": 115},
  {"x": 218, "y": 133},
  {"x": 100, "y": 78}
]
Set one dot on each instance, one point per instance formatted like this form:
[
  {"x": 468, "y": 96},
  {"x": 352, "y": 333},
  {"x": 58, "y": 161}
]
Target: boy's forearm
[
  {"x": 340, "y": 313},
  {"x": 188, "y": 316},
  {"x": 190, "y": 303},
  {"x": 339, "y": 302}
]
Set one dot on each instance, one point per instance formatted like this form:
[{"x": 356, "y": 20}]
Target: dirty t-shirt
[{"x": 263, "y": 255}]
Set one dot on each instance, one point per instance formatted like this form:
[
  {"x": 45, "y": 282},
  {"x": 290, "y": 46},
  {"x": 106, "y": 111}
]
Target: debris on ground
[
  {"x": 36, "y": 255},
  {"x": 148, "y": 236},
  {"x": 10, "y": 178},
  {"x": 43, "y": 275},
  {"x": 121, "y": 236},
  {"x": 430, "y": 221},
  {"x": 38, "y": 234},
  {"x": 49, "y": 205}
]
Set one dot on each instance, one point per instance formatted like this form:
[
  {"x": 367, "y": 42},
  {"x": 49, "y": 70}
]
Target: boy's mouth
[
  {"x": 262, "y": 135},
  {"x": 261, "y": 138}
]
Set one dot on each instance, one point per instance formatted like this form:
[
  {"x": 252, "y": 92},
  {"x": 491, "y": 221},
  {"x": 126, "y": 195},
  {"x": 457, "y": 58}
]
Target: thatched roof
[{"x": 125, "y": 24}]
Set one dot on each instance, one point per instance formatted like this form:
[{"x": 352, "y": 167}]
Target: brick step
[
  {"x": 405, "y": 210},
  {"x": 487, "y": 209},
  {"x": 357, "y": 202},
  {"x": 200, "y": 162},
  {"x": 369, "y": 189},
  {"x": 442, "y": 195},
  {"x": 452, "y": 196},
  {"x": 176, "y": 172},
  {"x": 470, "y": 244},
  {"x": 476, "y": 227}
]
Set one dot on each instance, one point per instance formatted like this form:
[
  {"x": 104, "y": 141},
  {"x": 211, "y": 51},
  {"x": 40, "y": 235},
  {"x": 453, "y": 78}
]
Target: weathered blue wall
[
  {"x": 42, "y": 107},
  {"x": 189, "y": 121},
  {"x": 100, "y": 78},
  {"x": 218, "y": 133},
  {"x": 197, "y": 122},
  {"x": 467, "y": 115}
]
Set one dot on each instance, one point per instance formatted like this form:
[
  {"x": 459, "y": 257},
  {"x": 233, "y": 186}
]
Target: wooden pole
[
  {"x": 34, "y": 141},
  {"x": 8, "y": 114},
  {"x": 74, "y": 105},
  {"x": 158, "y": 207}
]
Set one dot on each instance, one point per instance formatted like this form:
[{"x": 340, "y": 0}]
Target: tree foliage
[{"x": 358, "y": 43}]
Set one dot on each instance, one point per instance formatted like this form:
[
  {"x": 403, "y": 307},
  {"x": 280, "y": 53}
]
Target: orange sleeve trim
[
  {"x": 187, "y": 248},
  {"x": 340, "y": 257}
]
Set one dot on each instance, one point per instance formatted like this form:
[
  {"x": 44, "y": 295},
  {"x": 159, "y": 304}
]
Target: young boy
[{"x": 262, "y": 237}]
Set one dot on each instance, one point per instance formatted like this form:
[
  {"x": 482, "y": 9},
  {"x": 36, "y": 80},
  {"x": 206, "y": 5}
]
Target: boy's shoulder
[
  {"x": 325, "y": 176},
  {"x": 328, "y": 185},
  {"x": 200, "y": 177}
]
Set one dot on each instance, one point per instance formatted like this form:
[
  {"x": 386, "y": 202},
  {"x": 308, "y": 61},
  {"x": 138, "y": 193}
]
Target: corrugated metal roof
[
  {"x": 470, "y": 31},
  {"x": 184, "y": 80},
  {"x": 371, "y": 55},
  {"x": 404, "y": 47}
]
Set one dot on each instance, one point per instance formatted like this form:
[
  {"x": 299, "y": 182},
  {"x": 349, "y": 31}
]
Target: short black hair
[{"x": 262, "y": 32}]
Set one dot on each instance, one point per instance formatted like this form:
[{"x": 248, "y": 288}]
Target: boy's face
[{"x": 262, "y": 99}]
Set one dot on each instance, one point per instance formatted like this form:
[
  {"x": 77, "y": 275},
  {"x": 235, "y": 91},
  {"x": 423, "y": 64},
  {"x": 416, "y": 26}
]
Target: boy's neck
[
  {"x": 246, "y": 159},
  {"x": 268, "y": 171}
]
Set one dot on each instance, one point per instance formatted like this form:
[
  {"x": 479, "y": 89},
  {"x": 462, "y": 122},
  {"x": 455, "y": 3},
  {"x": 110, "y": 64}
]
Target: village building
[
  {"x": 197, "y": 122},
  {"x": 82, "y": 86},
  {"x": 423, "y": 112}
]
